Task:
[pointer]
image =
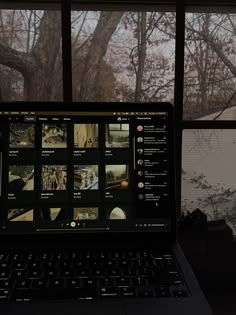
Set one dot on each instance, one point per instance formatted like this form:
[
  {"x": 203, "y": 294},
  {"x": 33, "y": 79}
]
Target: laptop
[{"x": 87, "y": 212}]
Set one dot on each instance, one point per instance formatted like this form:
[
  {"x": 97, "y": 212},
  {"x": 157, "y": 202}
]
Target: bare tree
[{"x": 209, "y": 70}]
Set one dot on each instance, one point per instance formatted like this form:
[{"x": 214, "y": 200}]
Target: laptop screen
[{"x": 85, "y": 171}]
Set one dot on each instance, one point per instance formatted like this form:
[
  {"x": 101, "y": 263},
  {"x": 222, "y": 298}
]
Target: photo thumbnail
[
  {"x": 53, "y": 214},
  {"x": 116, "y": 213},
  {"x": 20, "y": 214},
  {"x": 85, "y": 213},
  {"x": 86, "y": 135},
  {"x": 117, "y": 135},
  {"x": 22, "y": 136},
  {"x": 117, "y": 177},
  {"x": 20, "y": 178},
  {"x": 85, "y": 177},
  {"x": 54, "y": 177},
  {"x": 54, "y": 136}
]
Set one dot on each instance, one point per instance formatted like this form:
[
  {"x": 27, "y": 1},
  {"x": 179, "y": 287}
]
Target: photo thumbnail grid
[
  {"x": 55, "y": 135},
  {"x": 53, "y": 176}
]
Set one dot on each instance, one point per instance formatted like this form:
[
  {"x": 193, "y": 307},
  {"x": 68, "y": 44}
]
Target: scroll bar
[
  {"x": 134, "y": 154},
  {"x": 0, "y": 174}
]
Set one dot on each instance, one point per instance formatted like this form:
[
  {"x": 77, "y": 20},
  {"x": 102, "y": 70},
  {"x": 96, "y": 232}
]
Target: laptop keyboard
[{"x": 89, "y": 275}]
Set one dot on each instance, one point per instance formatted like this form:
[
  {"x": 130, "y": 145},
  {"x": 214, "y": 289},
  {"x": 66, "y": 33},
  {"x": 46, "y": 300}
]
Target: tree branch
[
  {"x": 217, "y": 49},
  {"x": 20, "y": 61}
]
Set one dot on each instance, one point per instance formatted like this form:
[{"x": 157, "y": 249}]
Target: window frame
[{"x": 180, "y": 8}]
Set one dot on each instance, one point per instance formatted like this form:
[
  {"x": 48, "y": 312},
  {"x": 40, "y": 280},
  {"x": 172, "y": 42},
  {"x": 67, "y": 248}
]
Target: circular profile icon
[
  {"x": 140, "y": 128},
  {"x": 140, "y": 173},
  {"x": 140, "y": 162},
  {"x": 140, "y": 139},
  {"x": 140, "y": 151},
  {"x": 140, "y": 185},
  {"x": 140, "y": 196}
]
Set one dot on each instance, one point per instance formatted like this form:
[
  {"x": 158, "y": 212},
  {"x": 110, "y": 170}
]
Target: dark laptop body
[{"x": 92, "y": 177}]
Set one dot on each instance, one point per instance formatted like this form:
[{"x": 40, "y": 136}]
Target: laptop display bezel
[{"x": 111, "y": 107}]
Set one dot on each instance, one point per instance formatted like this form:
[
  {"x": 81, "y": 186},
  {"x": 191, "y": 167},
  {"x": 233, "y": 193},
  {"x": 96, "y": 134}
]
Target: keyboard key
[
  {"x": 89, "y": 282},
  {"x": 114, "y": 272},
  {"x": 4, "y": 257},
  {"x": 4, "y": 295},
  {"x": 22, "y": 284},
  {"x": 98, "y": 273},
  {"x": 73, "y": 283},
  {"x": 4, "y": 265},
  {"x": 51, "y": 274},
  {"x": 66, "y": 274},
  {"x": 140, "y": 281},
  {"x": 129, "y": 272},
  {"x": 102, "y": 256},
  {"x": 56, "y": 283},
  {"x": 145, "y": 272},
  {"x": 18, "y": 274},
  {"x": 109, "y": 292},
  {"x": 145, "y": 292},
  {"x": 162, "y": 291},
  {"x": 180, "y": 293},
  {"x": 131, "y": 255},
  {"x": 34, "y": 274},
  {"x": 125, "y": 263},
  {"x": 55, "y": 294},
  {"x": 39, "y": 284},
  {"x": 16, "y": 257},
  {"x": 34, "y": 265},
  {"x": 4, "y": 284},
  {"x": 123, "y": 282},
  {"x": 107, "y": 282},
  {"x": 116, "y": 255},
  {"x": 82, "y": 273},
  {"x": 110, "y": 263},
  {"x": 127, "y": 292}
]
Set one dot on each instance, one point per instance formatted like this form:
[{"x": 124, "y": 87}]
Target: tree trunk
[
  {"x": 46, "y": 51},
  {"x": 106, "y": 26},
  {"x": 142, "y": 48}
]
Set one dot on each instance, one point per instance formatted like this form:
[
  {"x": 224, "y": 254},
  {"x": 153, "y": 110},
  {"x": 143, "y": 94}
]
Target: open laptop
[{"x": 87, "y": 212}]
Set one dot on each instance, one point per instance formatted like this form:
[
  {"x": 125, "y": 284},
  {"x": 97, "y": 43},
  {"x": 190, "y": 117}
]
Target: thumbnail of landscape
[
  {"x": 117, "y": 135},
  {"x": 117, "y": 177}
]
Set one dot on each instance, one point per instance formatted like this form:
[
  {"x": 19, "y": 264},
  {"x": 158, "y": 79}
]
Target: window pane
[
  {"x": 210, "y": 68},
  {"x": 123, "y": 56},
  {"x": 30, "y": 55},
  {"x": 208, "y": 173}
]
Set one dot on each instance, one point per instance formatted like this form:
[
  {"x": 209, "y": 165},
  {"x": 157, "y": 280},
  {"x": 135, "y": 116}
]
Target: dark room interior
[{"x": 142, "y": 51}]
